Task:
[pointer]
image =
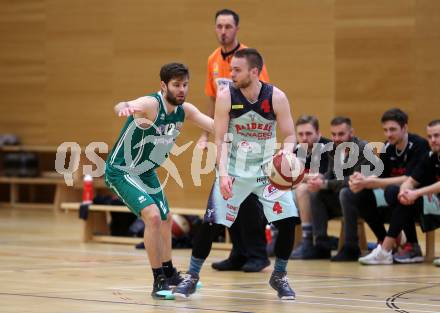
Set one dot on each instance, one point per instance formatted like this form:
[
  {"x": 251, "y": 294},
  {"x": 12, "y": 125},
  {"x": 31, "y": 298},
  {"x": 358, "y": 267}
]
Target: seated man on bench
[
  {"x": 365, "y": 195},
  {"x": 408, "y": 203},
  {"x": 325, "y": 189}
]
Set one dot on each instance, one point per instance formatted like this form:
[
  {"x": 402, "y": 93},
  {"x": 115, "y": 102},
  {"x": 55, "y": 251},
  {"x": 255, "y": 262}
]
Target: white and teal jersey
[
  {"x": 252, "y": 133},
  {"x": 138, "y": 149},
  {"x": 252, "y": 142}
]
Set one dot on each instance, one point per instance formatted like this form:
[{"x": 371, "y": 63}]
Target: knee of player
[{"x": 151, "y": 217}]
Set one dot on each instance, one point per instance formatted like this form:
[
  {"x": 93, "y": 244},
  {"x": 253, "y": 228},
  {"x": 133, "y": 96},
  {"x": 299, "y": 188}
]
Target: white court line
[
  {"x": 135, "y": 253},
  {"x": 140, "y": 253},
  {"x": 320, "y": 304},
  {"x": 256, "y": 292},
  {"x": 109, "y": 253},
  {"x": 378, "y": 284},
  {"x": 80, "y": 267},
  {"x": 199, "y": 296},
  {"x": 233, "y": 284},
  {"x": 331, "y": 298},
  {"x": 415, "y": 276},
  {"x": 294, "y": 281}
]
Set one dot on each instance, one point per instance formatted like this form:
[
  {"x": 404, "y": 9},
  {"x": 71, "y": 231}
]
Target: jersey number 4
[
  {"x": 277, "y": 208},
  {"x": 265, "y": 106}
]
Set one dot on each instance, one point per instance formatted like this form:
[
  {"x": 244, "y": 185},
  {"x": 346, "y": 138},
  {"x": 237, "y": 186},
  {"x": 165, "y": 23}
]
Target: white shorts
[{"x": 277, "y": 204}]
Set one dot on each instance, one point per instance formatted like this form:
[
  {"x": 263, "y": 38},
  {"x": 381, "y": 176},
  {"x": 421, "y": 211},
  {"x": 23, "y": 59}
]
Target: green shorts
[{"x": 137, "y": 191}]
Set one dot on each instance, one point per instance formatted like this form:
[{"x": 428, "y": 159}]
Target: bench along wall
[{"x": 64, "y": 64}]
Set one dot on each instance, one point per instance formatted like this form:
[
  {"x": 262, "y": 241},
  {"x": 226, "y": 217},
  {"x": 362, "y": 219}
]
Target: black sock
[
  {"x": 168, "y": 268},
  {"x": 157, "y": 272}
]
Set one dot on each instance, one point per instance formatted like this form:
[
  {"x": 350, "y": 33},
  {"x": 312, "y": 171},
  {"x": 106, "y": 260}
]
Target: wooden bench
[
  {"x": 430, "y": 246},
  {"x": 62, "y": 192},
  {"x": 363, "y": 244},
  {"x": 96, "y": 228}
]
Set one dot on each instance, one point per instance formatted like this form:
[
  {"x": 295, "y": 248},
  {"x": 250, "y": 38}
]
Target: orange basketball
[{"x": 287, "y": 171}]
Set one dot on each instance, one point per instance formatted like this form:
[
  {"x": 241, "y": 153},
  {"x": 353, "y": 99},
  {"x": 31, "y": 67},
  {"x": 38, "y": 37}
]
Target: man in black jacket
[
  {"x": 346, "y": 157},
  {"x": 365, "y": 196}
]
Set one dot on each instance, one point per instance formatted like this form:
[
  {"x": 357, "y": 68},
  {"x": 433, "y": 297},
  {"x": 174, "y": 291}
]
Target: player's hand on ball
[{"x": 226, "y": 186}]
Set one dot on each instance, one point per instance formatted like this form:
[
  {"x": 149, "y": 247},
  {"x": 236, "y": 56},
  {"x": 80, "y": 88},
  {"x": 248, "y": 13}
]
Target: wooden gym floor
[{"x": 45, "y": 268}]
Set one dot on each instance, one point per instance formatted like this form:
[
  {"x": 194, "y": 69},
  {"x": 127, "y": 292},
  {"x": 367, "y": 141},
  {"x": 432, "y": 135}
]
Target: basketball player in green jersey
[
  {"x": 154, "y": 121},
  {"x": 246, "y": 118}
]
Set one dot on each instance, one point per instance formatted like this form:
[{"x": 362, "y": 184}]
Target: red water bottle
[
  {"x": 268, "y": 234},
  {"x": 87, "y": 196}
]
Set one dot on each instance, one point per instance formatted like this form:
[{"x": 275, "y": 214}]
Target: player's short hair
[
  {"x": 173, "y": 70},
  {"x": 396, "y": 115},
  {"x": 235, "y": 16},
  {"x": 339, "y": 120},
  {"x": 434, "y": 123},
  {"x": 308, "y": 119},
  {"x": 252, "y": 56}
]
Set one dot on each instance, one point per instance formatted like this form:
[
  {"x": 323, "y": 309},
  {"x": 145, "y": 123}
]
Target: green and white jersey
[
  {"x": 138, "y": 149},
  {"x": 252, "y": 132}
]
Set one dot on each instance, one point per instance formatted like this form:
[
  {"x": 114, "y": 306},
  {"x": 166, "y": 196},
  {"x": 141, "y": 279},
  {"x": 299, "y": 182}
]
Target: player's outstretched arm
[
  {"x": 202, "y": 120},
  {"x": 142, "y": 106},
  {"x": 281, "y": 108}
]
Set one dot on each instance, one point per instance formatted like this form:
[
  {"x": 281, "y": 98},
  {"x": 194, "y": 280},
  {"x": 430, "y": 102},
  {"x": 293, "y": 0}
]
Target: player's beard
[
  {"x": 243, "y": 84},
  {"x": 337, "y": 143},
  {"x": 171, "y": 99}
]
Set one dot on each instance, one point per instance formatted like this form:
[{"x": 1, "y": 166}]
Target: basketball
[
  {"x": 286, "y": 171},
  {"x": 180, "y": 227}
]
